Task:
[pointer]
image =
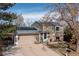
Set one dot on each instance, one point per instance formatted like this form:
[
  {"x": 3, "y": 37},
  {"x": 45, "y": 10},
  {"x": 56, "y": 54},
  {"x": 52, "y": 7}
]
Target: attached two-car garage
[
  {"x": 27, "y": 39},
  {"x": 26, "y": 33}
]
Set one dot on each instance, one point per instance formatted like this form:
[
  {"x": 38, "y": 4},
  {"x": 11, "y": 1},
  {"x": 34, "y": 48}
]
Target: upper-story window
[{"x": 57, "y": 28}]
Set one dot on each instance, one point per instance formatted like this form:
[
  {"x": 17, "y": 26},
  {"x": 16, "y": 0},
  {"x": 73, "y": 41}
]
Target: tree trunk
[
  {"x": 1, "y": 50},
  {"x": 77, "y": 46}
]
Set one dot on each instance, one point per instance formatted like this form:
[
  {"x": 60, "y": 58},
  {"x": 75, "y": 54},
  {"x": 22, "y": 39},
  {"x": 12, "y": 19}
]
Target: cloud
[{"x": 33, "y": 16}]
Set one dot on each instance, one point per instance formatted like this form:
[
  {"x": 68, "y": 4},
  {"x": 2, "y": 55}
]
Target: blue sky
[
  {"x": 29, "y": 7},
  {"x": 33, "y": 11}
]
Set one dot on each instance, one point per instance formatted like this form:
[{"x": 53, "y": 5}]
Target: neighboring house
[
  {"x": 10, "y": 40},
  {"x": 49, "y": 31}
]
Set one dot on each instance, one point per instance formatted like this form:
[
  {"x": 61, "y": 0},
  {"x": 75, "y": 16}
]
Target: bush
[{"x": 67, "y": 35}]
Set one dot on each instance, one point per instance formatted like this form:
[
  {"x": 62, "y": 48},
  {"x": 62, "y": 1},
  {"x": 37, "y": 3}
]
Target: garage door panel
[
  {"x": 28, "y": 39},
  {"x": 31, "y": 37}
]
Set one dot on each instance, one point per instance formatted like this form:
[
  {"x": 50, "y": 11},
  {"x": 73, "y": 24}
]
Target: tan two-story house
[{"x": 49, "y": 31}]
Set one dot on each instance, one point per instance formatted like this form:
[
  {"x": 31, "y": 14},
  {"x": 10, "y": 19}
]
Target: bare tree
[
  {"x": 20, "y": 21},
  {"x": 28, "y": 22},
  {"x": 68, "y": 13}
]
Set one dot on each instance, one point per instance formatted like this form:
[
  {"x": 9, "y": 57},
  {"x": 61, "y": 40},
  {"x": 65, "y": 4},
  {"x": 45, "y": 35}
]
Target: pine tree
[
  {"x": 6, "y": 16},
  {"x": 6, "y": 27}
]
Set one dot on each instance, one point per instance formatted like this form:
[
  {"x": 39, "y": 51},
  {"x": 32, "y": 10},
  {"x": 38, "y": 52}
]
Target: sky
[{"x": 32, "y": 11}]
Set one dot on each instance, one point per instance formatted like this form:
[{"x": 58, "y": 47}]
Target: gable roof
[
  {"x": 47, "y": 23},
  {"x": 26, "y": 30}
]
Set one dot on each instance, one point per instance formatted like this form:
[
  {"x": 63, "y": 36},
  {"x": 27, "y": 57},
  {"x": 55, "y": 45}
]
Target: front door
[{"x": 44, "y": 37}]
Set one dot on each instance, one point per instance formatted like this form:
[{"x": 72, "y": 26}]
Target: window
[
  {"x": 57, "y": 28},
  {"x": 57, "y": 37}
]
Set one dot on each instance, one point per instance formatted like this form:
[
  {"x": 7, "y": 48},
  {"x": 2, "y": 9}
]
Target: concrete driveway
[{"x": 27, "y": 47}]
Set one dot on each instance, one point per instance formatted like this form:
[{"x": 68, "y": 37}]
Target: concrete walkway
[{"x": 27, "y": 47}]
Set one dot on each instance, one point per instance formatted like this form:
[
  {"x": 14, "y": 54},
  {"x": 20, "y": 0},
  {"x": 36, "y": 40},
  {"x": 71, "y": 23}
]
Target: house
[
  {"x": 49, "y": 31},
  {"x": 42, "y": 32}
]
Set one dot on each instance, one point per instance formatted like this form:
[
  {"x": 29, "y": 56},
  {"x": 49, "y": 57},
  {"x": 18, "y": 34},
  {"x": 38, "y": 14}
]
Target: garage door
[{"x": 27, "y": 39}]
